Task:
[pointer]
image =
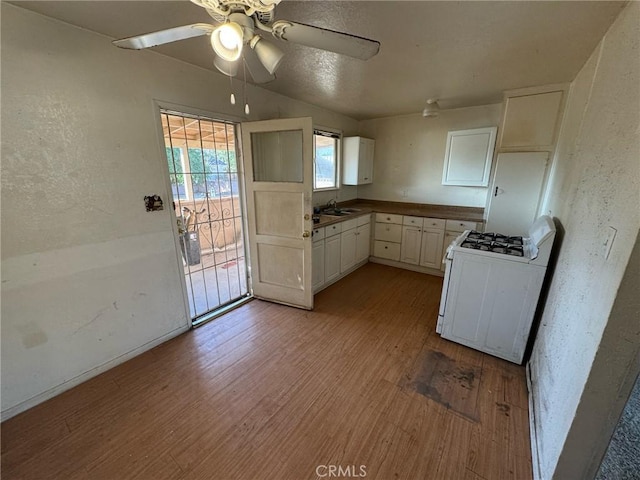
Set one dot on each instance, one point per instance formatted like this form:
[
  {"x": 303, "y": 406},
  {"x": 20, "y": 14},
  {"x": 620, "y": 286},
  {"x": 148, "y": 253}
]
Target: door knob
[
  {"x": 306, "y": 216},
  {"x": 306, "y": 234}
]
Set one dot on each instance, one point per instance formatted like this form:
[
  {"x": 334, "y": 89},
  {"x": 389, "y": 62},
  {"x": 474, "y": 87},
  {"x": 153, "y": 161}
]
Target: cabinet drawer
[
  {"x": 388, "y": 250},
  {"x": 460, "y": 225},
  {"x": 388, "y": 218},
  {"x": 435, "y": 223},
  {"x": 412, "y": 221},
  {"x": 331, "y": 230},
  {"x": 388, "y": 232},
  {"x": 317, "y": 234},
  {"x": 349, "y": 224},
  {"x": 363, "y": 220}
]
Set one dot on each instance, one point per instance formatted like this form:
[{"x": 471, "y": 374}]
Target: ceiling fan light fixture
[
  {"x": 230, "y": 69},
  {"x": 432, "y": 109},
  {"x": 269, "y": 55},
  {"x": 227, "y": 40}
]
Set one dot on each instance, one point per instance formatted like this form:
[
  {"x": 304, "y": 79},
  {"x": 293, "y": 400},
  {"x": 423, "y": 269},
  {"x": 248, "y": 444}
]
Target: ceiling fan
[{"x": 238, "y": 35}]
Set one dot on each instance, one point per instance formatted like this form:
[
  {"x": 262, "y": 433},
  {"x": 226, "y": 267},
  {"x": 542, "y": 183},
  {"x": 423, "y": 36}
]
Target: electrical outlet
[
  {"x": 608, "y": 241},
  {"x": 405, "y": 193}
]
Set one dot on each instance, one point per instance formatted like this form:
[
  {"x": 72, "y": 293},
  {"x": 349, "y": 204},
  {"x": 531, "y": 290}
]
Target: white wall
[
  {"x": 596, "y": 184},
  {"x": 409, "y": 156},
  {"x": 88, "y": 277}
]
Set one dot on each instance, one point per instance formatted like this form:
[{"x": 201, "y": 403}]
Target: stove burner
[
  {"x": 514, "y": 241},
  {"x": 494, "y": 242},
  {"x": 516, "y": 251}
]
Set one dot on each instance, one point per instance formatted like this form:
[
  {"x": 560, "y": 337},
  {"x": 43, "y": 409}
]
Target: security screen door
[{"x": 277, "y": 156}]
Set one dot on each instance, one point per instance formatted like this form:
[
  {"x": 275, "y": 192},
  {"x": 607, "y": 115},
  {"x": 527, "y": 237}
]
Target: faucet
[{"x": 331, "y": 203}]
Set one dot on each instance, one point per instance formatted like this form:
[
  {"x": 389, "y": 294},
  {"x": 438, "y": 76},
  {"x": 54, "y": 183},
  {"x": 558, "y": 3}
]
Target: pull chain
[{"x": 247, "y": 111}]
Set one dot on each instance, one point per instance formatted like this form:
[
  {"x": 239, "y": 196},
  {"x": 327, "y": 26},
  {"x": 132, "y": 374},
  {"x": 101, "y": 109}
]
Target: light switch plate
[{"x": 610, "y": 235}]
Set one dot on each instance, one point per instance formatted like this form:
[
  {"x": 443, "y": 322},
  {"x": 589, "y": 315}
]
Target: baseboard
[
  {"x": 533, "y": 433},
  {"x": 69, "y": 384},
  {"x": 407, "y": 266}
]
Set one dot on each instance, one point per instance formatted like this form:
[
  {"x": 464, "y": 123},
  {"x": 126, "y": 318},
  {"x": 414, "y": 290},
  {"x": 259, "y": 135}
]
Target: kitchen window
[{"x": 326, "y": 160}]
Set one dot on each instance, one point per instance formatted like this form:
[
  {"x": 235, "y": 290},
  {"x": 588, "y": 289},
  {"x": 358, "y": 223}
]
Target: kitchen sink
[{"x": 339, "y": 212}]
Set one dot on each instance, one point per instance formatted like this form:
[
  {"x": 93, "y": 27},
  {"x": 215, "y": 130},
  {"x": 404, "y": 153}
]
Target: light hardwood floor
[{"x": 272, "y": 392}]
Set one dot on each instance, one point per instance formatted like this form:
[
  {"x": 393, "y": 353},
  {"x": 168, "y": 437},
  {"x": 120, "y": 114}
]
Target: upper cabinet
[
  {"x": 531, "y": 119},
  {"x": 467, "y": 159},
  {"x": 357, "y": 160}
]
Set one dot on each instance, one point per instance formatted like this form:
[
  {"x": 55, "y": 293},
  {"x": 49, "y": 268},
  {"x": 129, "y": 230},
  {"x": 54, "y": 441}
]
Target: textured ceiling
[{"x": 464, "y": 53}]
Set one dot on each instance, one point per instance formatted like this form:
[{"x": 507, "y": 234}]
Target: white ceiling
[{"x": 464, "y": 53}]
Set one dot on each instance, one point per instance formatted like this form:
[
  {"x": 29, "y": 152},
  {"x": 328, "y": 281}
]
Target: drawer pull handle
[{"x": 385, "y": 247}]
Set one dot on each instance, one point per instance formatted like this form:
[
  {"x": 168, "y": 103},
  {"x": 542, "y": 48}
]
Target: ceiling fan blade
[
  {"x": 316, "y": 37},
  {"x": 258, "y": 72},
  {"x": 164, "y": 36}
]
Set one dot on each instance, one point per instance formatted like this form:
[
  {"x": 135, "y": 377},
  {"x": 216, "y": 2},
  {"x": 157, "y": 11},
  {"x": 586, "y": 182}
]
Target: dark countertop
[{"x": 447, "y": 212}]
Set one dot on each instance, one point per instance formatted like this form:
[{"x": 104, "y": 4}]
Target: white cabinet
[
  {"x": 387, "y": 236},
  {"x": 516, "y": 191},
  {"x": 317, "y": 251},
  {"x": 348, "y": 250},
  {"x": 531, "y": 118},
  {"x": 467, "y": 159},
  {"x": 410, "y": 247},
  {"x": 357, "y": 160},
  {"x": 356, "y": 240},
  {"x": 431, "y": 247},
  {"x": 422, "y": 241},
  {"x": 331, "y": 258},
  {"x": 338, "y": 248},
  {"x": 363, "y": 242}
]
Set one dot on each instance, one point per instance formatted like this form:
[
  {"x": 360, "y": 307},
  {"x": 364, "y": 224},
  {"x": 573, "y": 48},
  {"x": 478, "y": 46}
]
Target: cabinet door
[
  {"x": 468, "y": 156},
  {"x": 318, "y": 264},
  {"x": 516, "y": 191},
  {"x": 331, "y": 258},
  {"x": 410, "y": 247},
  {"x": 531, "y": 120},
  {"x": 347, "y": 250},
  {"x": 431, "y": 248},
  {"x": 365, "y": 161},
  {"x": 363, "y": 242}
]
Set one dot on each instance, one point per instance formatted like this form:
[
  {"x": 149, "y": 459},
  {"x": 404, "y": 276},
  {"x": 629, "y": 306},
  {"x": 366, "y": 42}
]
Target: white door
[
  {"x": 278, "y": 173},
  {"x": 516, "y": 192}
]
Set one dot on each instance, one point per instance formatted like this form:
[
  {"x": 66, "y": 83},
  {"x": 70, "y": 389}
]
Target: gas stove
[{"x": 494, "y": 242}]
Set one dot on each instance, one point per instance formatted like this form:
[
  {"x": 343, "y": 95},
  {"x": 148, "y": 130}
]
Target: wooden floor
[{"x": 361, "y": 385}]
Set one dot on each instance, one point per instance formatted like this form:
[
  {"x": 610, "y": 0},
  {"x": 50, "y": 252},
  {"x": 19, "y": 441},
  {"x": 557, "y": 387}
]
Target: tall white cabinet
[
  {"x": 357, "y": 160},
  {"x": 526, "y": 145}
]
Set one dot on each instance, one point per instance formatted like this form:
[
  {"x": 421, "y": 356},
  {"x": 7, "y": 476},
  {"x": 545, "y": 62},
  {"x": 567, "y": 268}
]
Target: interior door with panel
[{"x": 277, "y": 156}]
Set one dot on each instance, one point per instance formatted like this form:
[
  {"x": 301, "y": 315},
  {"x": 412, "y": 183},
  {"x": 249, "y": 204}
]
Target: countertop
[{"x": 446, "y": 212}]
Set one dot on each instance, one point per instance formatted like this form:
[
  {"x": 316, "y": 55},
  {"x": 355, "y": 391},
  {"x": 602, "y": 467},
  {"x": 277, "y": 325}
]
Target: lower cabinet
[
  {"x": 332, "y": 247},
  {"x": 317, "y": 272},
  {"x": 431, "y": 248},
  {"x": 363, "y": 242},
  {"x": 338, "y": 248},
  {"x": 421, "y": 246}
]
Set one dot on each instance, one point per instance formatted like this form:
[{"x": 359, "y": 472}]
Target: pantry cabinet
[{"x": 357, "y": 160}]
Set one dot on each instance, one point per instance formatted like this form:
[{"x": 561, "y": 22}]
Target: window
[{"x": 326, "y": 148}]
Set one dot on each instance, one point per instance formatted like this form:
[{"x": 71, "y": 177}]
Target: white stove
[{"x": 491, "y": 288}]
